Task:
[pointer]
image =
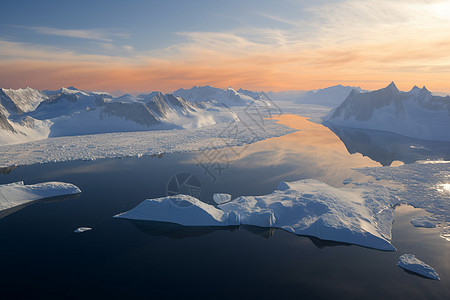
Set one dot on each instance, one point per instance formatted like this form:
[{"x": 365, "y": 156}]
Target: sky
[{"x": 137, "y": 46}]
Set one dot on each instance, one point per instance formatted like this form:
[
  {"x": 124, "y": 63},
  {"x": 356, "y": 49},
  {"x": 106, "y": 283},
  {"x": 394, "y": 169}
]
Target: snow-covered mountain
[
  {"x": 230, "y": 97},
  {"x": 28, "y": 114},
  {"x": 331, "y": 96},
  {"x": 416, "y": 113},
  {"x": 26, "y": 99}
]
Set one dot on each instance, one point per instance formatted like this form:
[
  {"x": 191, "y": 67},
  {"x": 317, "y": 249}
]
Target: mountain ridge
[{"x": 416, "y": 113}]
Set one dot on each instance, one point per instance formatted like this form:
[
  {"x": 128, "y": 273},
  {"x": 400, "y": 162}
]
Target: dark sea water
[{"x": 42, "y": 258}]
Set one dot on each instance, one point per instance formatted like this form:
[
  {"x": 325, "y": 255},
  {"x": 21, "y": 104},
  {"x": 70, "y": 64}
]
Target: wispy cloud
[
  {"x": 88, "y": 34},
  {"x": 279, "y": 19}
]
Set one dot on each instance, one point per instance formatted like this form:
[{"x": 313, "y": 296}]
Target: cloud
[
  {"x": 367, "y": 43},
  {"x": 88, "y": 34},
  {"x": 128, "y": 47}
]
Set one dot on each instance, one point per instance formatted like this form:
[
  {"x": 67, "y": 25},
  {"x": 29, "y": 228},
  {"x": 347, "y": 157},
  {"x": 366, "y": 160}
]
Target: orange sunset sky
[{"x": 259, "y": 45}]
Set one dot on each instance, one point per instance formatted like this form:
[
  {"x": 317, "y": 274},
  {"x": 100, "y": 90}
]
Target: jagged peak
[
  {"x": 392, "y": 87},
  {"x": 353, "y": 92},
  {"x": 425, "y": 89},
  {"x": 19, "y": 89},
  {"x": 415, "y": 87},
  {"x": 230, "y": 89}
]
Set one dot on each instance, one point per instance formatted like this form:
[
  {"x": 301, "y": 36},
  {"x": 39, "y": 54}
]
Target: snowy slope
[
  {"x": 229, "y": 96},
  {"x": 26, "y": 99},
  {"x": 15, "y": 125},
  {"x": 360, "y": 215},
  {"x": 416, "y": 113},
  {"x": 34, "y": 115}
]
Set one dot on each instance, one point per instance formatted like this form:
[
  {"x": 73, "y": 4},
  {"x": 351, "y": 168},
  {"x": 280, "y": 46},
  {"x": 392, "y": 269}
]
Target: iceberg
[
  {"x": 411, "y": 263},
  {"x": 221, "y": 198},
  {"x": 360, "y": 215},
  {"x": 180, "y": 209},
  {"x": 18, "y": 193}
]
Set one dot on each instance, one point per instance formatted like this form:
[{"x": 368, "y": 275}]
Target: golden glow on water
[{"x": 313, "y": 151}]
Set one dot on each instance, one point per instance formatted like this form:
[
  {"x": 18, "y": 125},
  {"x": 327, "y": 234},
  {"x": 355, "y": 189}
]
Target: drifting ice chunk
[
  {"x": 221, "y": 198},
  {"x": 445, "y": 234},
  {"x": 181, "y": 209},
  {"x": 411, "y": 263},
  {"x": 361, "y": 215},
  {"x": 425, "y": 221},
  {"x": 17, "y": 193},
  {"x": 82, "y": 229}
]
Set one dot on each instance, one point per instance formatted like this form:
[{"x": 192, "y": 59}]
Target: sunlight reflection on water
[{"x": 443, "y": 188}]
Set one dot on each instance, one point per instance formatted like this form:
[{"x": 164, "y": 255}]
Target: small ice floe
[
  {"x": 411, "y": 263},
  {"x": 82, "y": 229},
  {"x": 424, "y": 221},
  {"x": 221, "y": 198}
]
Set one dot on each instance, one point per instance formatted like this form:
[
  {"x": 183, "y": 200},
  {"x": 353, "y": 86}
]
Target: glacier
[
  {"x": 417, "y": 113},
  {"x": 18, "y": 193},
  {"x": 360, "y": 215},
  {"x": 411, "y": 263},
  {"x": 137, "y": 144}
]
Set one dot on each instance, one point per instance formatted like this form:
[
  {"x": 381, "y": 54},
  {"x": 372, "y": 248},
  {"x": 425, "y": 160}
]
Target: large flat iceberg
[
  {"x": 360, "y": 215},
  {"x": 18, "y": 193}
]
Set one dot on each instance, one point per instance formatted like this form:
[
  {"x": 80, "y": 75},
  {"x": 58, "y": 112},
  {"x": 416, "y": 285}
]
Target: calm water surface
[{"x": 43, "y": 258}]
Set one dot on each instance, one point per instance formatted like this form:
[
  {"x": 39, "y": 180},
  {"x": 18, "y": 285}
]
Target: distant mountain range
[
  {"x": 331, "y": 96},
  {"x": 229, "y": 96},
  {"x": 28, "y": 114},
  {"x": 416, "y": 113}
]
